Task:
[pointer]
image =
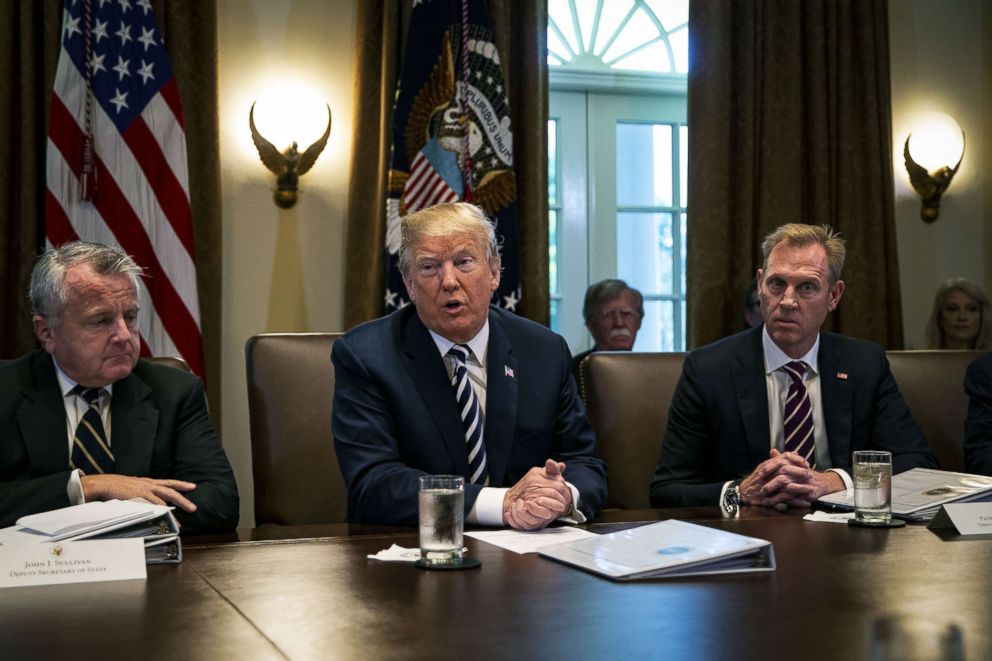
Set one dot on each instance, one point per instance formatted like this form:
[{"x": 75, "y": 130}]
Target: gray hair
[
  {"x": 458, "y": 218},
  {"x": 605, "y": 291},
  {"x": 47, "y": 289},
  {"x": 800, "y": 236},
  {"x": 935, "y": 333}
]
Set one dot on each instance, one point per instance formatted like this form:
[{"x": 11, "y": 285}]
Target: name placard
[
  {"x": 72, "y": 562},
  {"x": 966, "y": 518}
]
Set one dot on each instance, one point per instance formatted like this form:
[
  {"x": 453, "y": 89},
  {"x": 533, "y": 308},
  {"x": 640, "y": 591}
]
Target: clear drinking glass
[
  {"x": 872, "y": 486},
  {"x": 442, "y": 518}
]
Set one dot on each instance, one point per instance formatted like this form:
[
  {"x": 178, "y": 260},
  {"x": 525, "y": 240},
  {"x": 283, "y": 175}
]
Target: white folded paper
[
  {"x": 829, "y": 517},
  {"x": 396, "y": 553}
]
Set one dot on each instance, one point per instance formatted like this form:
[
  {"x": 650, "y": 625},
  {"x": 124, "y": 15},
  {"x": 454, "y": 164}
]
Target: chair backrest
[
  {"x": 627, "y": 397},
  {"x": 931, "y": 382},
  {"x": 290, "y": 391}
]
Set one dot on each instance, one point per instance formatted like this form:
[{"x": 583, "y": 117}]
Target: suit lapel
[
  {"x": 41, "y": 417},
  {"x": 752, "y": 397},
  {"x": 835, "y": 395},
  {"x": 501, "y": 401},
  {"x": 425, "y": 366},
  {"x": 133, "y": 421}
]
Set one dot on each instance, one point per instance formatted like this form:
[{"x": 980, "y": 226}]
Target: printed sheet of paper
[{"x": 520, "y": 541}]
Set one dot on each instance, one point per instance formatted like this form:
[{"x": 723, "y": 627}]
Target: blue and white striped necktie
[{"x": 471, "y": 412}]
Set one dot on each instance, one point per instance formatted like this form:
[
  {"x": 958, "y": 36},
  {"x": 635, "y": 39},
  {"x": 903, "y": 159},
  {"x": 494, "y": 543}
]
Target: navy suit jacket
[
  {"x": 718, "y": 420},
  {"x": 395, "y": 416},
  {"x": 978, "y": 425},
  {"x": 159, "y": 428}
]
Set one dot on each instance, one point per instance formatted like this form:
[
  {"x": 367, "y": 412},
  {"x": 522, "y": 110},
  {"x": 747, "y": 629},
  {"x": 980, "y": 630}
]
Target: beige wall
[
  {"x": 283, "y": 269},
  {"x": 941, "y": 62}
]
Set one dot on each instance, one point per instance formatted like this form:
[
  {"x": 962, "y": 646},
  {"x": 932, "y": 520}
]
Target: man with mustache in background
[{"x": 613, "y": 311}]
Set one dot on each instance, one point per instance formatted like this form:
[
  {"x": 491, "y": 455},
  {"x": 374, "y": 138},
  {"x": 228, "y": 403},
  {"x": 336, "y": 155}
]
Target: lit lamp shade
[{"x": 933, "y": 153}]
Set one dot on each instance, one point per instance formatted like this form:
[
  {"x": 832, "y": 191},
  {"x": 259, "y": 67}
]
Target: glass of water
[
  {"x": 442, "y": 519},
  {"x": 873, "y": 486}
]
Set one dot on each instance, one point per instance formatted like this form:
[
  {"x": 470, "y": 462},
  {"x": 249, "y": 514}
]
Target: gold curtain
[
  {"x": 520, "y": 30},
  {"x": 790, "y": 121},
  {"x": 29, "y": 50}
]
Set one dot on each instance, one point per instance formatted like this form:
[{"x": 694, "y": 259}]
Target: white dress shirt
[
  {"x": 488, "y": 507},
  {"x": 75, "y": 409},
  {"x": 777, "y": 383}
]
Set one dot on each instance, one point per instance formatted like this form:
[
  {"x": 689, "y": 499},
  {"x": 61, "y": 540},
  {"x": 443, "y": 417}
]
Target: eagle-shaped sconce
[
  {"x": 288, "y": 165},
  {"x": 930, "y": 186}
]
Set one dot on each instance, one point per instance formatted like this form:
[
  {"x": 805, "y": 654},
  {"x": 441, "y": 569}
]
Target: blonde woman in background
[{"x": 961, "y": 317}]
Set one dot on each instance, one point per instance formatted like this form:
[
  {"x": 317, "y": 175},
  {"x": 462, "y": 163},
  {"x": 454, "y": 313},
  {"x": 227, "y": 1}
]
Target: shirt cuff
[
  {"x": 575, "y": 515},
  {"x": 848, "y": 483},
  {"x": 488, "y": 507},
  {"x": 75, "y": 488}
]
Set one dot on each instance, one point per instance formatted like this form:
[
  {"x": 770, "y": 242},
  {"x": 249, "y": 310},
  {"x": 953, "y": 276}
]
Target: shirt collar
[
  {"x": 67, "y": 384},
  {"x": 775, "y": 358},
  {"x": 477, "y": 344}
]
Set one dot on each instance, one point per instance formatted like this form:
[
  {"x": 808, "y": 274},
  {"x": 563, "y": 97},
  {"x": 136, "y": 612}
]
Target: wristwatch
[{"x": 731, "y": 504}]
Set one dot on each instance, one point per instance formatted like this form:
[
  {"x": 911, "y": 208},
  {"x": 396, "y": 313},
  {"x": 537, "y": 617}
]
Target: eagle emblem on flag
[{"x": 452, "y": 139}]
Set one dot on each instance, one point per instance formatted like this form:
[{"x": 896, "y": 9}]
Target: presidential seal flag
[
  {"x": 451, "y": 136},
  {"x": 116, "y": 162}
]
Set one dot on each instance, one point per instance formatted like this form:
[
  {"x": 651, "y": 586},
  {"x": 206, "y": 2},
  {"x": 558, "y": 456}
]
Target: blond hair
[
  {"x": 799, "y": 235},
  {"x": 442, "y": 220},
  {"x": 935, "y": 332}
]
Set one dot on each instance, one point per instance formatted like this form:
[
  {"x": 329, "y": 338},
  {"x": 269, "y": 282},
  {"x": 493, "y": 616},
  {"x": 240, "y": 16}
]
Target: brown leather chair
[
  {"x": 627, "y": 397},
  {"x": 290, "y": 390},
  {"x": 171, "y": 361},
  {"x": 931, "y": 383}
]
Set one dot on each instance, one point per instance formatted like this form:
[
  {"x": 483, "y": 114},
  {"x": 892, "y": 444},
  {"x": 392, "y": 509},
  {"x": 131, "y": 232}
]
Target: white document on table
[
  {"x": 112, "y": 519},
  {"x": 918, "y": 493},
  {"x": 667, "y": 549},
  {"x": 529, "y": 541}
]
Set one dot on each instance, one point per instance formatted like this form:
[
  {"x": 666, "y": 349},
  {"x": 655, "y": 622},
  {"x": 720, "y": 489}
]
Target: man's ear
[
  {"x": 43, "y": 331},
  {"x": 409, "y": 287},
  {"x": 835, "y": 293}
]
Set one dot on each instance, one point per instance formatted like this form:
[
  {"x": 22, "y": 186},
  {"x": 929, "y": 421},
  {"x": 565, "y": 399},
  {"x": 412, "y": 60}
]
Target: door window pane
[
  {"x": 644, "y": 165},
  {"x": 658, "y": 327},
  {"x": 644, "y": 251}
]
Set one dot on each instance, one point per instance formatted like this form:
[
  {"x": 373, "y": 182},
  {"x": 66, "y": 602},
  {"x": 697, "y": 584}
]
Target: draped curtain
[
  {"x": 789, "y": 110},
  {"x": 520, "y": 31},
  {"x": 29, "y": 50}
]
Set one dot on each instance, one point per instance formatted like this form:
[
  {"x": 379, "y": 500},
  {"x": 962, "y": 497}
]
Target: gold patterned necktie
[{"x": 90, "y": 449}]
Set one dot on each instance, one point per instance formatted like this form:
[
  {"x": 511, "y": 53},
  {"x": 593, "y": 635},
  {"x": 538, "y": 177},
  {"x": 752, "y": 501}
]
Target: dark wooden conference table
[{"x": 254, "y": 595}]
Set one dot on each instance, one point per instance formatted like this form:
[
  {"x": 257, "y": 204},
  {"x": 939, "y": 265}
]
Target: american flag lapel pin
[
  {"x": 507, "y": 371},
  {"x": 842, "y": 376}
]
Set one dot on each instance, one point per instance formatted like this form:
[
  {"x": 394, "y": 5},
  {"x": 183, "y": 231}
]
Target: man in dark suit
[
  {"x": 978, "y": 424},
  {"x": 58, "y": 403},
  {"x": 395, "y": 411},
  {"x": 613, "y": 311},
  {"x": 771, "y": 415}
]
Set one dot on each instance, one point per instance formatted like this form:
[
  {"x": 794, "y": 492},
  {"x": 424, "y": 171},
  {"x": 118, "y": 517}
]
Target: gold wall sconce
[
  {"x": 288, "y": 165},
  {"x": 929, "y": 151}
]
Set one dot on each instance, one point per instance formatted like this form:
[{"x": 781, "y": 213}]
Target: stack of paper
[
  {"x": 918, "y": 493},
  {"x": 112, "y": 519}
]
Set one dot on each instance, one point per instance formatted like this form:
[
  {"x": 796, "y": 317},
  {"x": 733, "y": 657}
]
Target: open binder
[
  {"x": 667, "y": 549},
  {"x": 112, "y": 519},
  {"x": 918, "y": 493}
]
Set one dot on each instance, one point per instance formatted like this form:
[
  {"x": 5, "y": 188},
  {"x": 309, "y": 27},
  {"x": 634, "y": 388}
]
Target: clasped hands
[
  {"x": 540, "y": 497},
  {"x": 786, "y": 478},
  {"x": 124, "y": 487}
]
